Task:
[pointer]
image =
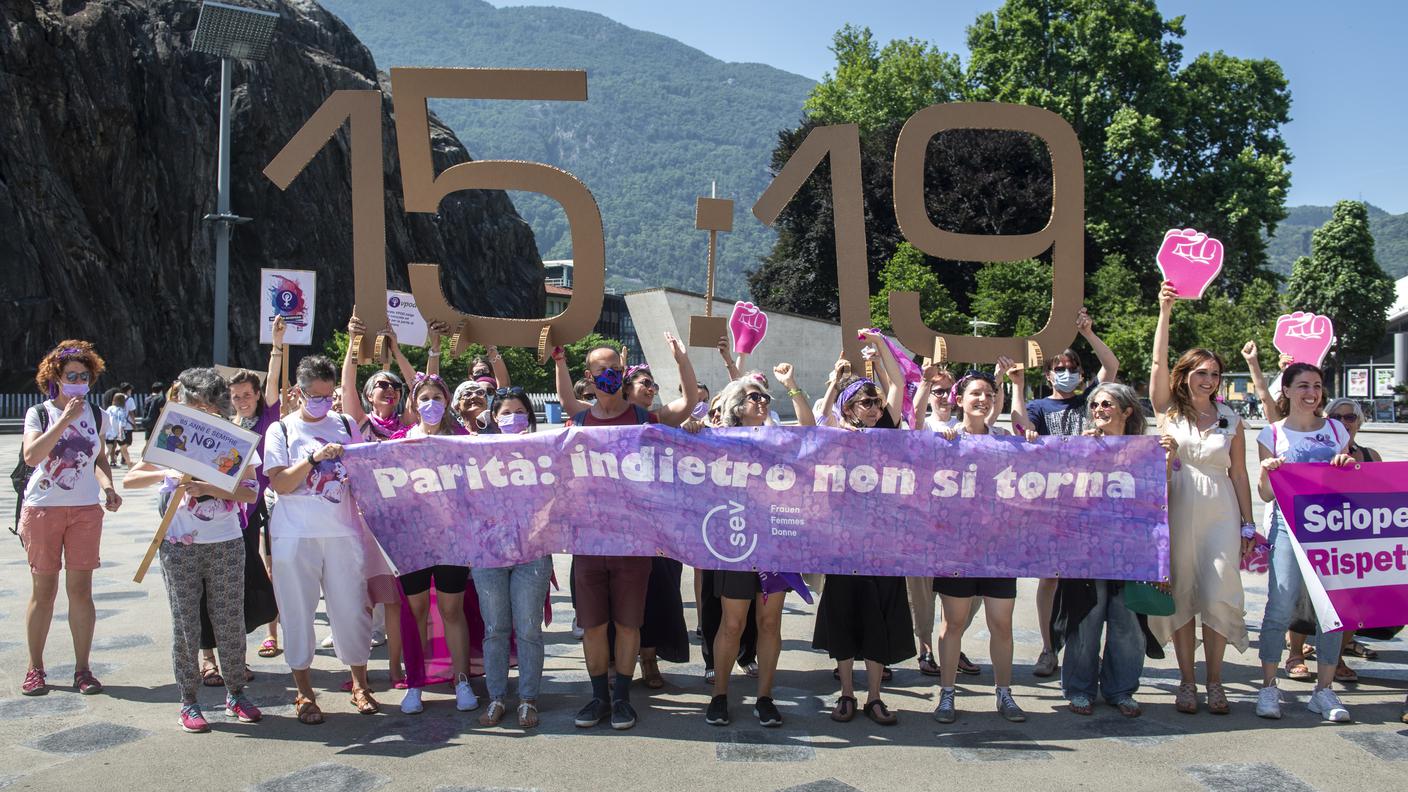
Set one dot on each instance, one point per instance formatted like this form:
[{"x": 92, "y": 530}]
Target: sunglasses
[
  {"x": 1104, "y": 404},
  {"x": 759, "y": 398},
  {"x": 78, "y": 376},
  {"x": 384, "y": 384},
  {"x": 475, "y": 390},
  {"x": 1348, "y": 418},
  {"x": 647, "y": 384},
  {"x": 869, "y": 403},
  {"x": 504, "y": 393},
  {"x": 1064, "y": 369}
]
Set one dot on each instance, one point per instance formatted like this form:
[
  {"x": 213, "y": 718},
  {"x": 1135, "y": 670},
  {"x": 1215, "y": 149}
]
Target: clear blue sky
[{"x": 1346, "y": 63}]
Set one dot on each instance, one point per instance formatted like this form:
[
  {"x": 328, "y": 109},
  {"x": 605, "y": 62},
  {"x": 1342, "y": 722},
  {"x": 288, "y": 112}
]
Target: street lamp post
[{"x": 230, "y": 32}]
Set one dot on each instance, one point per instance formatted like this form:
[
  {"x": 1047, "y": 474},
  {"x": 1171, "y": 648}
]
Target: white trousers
[{"x": 302, "y": 568}]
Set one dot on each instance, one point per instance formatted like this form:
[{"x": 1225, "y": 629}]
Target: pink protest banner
[
  {"x": 1190, "y": 259},
  {"x": 749, "y": 326},
  {"x": 1304, "y": 336},
  {"x": 1351, "y": 530}
]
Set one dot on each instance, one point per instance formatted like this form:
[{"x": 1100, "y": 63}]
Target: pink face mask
[{"x": 512, "y": 423}]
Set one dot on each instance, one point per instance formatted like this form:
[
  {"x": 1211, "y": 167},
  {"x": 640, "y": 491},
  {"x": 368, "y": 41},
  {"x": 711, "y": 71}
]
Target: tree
[
  {"x": 1341, "y": 279},
  {"x": 874, "y": 87},
  {"x": 1014, "y": 295},
  {"x": 907, "y": 271}
]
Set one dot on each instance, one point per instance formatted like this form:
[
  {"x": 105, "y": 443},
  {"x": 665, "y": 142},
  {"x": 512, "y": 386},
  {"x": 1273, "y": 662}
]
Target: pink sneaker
[
  {"x": 241, "y": 707},
  {"x": 86, "y": 683},
  {"x": 192, "y": 720},
  {"x": 34, "y": 683}
]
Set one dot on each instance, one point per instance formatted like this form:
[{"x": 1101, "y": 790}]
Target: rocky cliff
[{"x": 108, "y": 137}]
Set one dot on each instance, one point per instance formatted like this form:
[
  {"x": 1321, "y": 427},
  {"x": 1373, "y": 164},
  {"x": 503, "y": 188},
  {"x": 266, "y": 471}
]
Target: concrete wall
[{"x": 810, "y": 345}]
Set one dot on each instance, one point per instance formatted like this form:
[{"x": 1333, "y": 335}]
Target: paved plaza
[{"x": 128, "y": 737}]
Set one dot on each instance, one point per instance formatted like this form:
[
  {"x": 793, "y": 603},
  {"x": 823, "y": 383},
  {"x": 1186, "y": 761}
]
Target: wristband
[
  {"x": 1248, "y": 530},
  {"x": 311, "y": 461},
  {"x": 793, "y": 393}
]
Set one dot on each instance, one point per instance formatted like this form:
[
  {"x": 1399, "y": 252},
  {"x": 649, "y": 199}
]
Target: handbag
[{"x": 1147, "y": 599}]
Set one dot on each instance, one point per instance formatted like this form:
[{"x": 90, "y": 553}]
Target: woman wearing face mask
[
  {"x": 256, "y": 407},
  {"x": 1086, "y": 608},
  {"x": 866, "y": 616},
  {"x": 1209, "y": 496},
  {"x": 471, "y": 406},
  {"x": 61, "y": 512},
  {"x": 975, "y": 396},
  {"x": 745, "y": 402},
  {"x": 431, "y": 399},
  {"x": 318, "y": 538},
  {"x": 511, "y": 599},
  {"x": 202, "y": 562},
  {"x": 384, "y": 415},
  {"x": 1301, "y": 436}
]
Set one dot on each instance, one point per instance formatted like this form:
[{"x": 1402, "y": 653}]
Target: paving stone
[
  {"x": 1389, "y": 746},
  {"x": 98, "y": 614},
  {"x": 998, "y": 745},
  {"x": 824, "y": 785},
  {"x": 41, "y": 706},
  {"x": 485, "y": 789},
  {"x": 88, "y": 738},
  {"x": 7, "y": 646},
  {"x": 417, "y": 729},
  {"x": 324, "y": 777},
  {"x": 1261, "y": 777},
  {"x": 760, "y": 746},
  {"x": 63, "y": 674},
  {"x": 1135, "y": 731},
  {"x": 126, "y": 594},
  {"x": 9, "y": 780},
  {"x": 116, "y": 642}
]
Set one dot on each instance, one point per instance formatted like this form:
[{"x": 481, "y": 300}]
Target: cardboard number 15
[{"x": 424, "y": 190}]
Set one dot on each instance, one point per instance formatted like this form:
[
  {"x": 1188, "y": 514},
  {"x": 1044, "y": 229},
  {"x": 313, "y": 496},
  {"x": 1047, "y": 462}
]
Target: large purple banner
[{"x": 790, "y": 499}]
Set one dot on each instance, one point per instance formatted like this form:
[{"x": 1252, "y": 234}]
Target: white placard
[
  {"x": 1358, "y": 383},
  {"x": 290, "y": 294},
  {"x": 1383, "y": 382},
  {"x": 405, "y": 318},
  {"x": 206, "y": 446}
]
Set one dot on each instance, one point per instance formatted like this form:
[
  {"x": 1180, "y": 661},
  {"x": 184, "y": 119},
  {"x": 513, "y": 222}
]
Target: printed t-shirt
[
  {"x": 1293, "y": 446},
  {"x": 209, "y": 520},
  {"x": 321, "y": 506},
  {"x": 65, "y": 477}
]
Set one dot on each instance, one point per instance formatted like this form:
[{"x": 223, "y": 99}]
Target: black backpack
[{"x": 19, "y": 477}]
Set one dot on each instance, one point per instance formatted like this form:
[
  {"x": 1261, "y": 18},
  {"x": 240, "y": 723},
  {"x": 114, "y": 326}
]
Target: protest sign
[
  {"x": 1304, "y": 336},
  {"x": 1358, "y": 386},
  {"x": 290, "y": 294},
  {"x": 405, "y": 318},
  {"x": 790, "y": 499},
  {"x": 1191, "y": 260},
  {"x": 1350, "y": 527},
  {"x": 1383, "y": 382}
]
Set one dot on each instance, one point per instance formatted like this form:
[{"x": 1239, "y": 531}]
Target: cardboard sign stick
[{"x": 160, "y": 535}]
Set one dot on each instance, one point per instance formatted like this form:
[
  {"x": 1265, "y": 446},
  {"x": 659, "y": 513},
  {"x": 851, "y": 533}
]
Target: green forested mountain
[
  {"x": 1292, "y": 239},
  {"x": 661, "y": 122}
]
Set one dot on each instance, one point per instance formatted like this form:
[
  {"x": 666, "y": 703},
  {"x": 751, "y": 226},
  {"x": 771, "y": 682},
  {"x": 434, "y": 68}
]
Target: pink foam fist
[
  {"x": 749, "y": 325},
  {"x": 1190, "y": 259},
  {"x": 1304, "y": 336}
]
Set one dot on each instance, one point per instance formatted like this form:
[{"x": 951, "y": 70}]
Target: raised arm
[
  {"x": 921, "y": 396},
  {"x": 788, "y": 379},
  {"x": 1018, "y": 377},
  {"x": 677, "y": 411},
  {"x": 894, "y": 388},
  {"x": 1160, "y": 395},
  {"x": 570, "y": 405},
  {"x": 496, "y": 362},
  {"x": 1109, "y": 364},
  {"x": 435, "y": 332},
  {"x": 1268, "y": 404},
  {"x": 728, "y": 359},
  {"x": 351, "y": 396},
  {"x": 999, "y": 399},
  {"x": 276, "y": 361}
]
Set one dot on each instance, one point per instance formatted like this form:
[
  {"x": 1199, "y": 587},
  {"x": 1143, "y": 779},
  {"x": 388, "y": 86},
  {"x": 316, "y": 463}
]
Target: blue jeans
[
  {"x": 512, "y": 598},
  {"x": 1283, "y": 588},
  {"x": 1084, "y": 671}
]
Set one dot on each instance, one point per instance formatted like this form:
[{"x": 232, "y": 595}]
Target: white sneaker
[
  {"x": 1268, "y": 702},
  {"x": 465, "y": 700},
  {"x": 577, "y": 632},
  {"x": 411, "y": 703},
  {"x": 327, "y": 642},
  {"x": 378, "y": 638},
  {"x": 1327, "y": 705}
]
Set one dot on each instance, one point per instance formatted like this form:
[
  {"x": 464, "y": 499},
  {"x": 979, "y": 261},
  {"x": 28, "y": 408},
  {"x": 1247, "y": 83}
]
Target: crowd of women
[{"x": 260, "y": 557}]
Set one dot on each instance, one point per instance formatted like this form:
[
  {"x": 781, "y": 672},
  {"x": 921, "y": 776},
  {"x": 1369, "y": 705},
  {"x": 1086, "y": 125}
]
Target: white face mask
[{"x": 1065, "y": 381}]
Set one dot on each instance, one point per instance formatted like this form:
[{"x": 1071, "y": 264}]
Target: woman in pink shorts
[{"x": 61, "y": 517}]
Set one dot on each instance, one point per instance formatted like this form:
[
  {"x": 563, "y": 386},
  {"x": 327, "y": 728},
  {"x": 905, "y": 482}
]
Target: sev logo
[{"x": 734, "y": 532}]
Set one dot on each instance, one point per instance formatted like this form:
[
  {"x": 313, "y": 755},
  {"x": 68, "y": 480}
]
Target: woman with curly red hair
[{"x": 61, "y": 517}]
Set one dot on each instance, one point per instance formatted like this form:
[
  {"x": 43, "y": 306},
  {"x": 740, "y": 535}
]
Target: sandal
[
  {"x": 1128, "y": 707},
  {"x": 879, "y": 713},
  {"x": 363, "y": 701},
  {"x": 1344, "y": 673},
  {"x": 966, "y": 666},
  {"x": 845, "y": 709},
  {"x": 494, "y": 714},
  {"x": 1296, "y": 669},
  {"x": 527, "y": 714},
  {"x": 270, "y": 648},
  {"x": 1357, "y": 649},
  {"x": 1080, "y": 704},
  {"x": 1217, "y": 699},
  {"x": 927, "y": 666},
  {"x": 709, "y": 675},
  {"x": 751, "y": 670},
  {"x": 307, "y": 710},
  {"x": 1186, "y": 700},
  {"x": 650, "y": 672},
  {"x": 210, "y": 674}
]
